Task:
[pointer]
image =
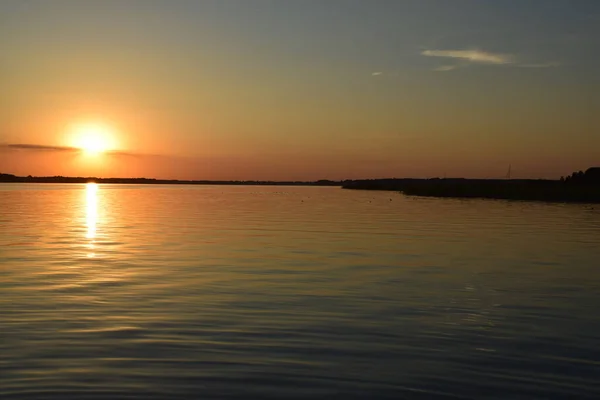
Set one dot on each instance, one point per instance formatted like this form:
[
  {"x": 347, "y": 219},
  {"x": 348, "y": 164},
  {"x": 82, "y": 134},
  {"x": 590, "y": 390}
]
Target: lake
[{"x": 227, "y": 292}]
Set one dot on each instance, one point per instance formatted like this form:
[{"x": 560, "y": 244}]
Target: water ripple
[{"x": 270, "y": 292}]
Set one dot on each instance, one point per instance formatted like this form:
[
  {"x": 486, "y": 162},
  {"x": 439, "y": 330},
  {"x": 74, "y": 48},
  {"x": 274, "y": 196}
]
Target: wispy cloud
[
  {"x": 389, "y": 74},
  {"x": 446, "y": 68},
  {"x": 60, "y": 149},
  {"x": 128, "y": 154},
  {"x": 38, "y": 147},
  {"x": 474, "y": 56},
  {"x": 465, "y": 58}
]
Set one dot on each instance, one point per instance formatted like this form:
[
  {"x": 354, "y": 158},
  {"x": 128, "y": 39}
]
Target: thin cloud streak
[
  {"x": 63, "y": 149},
  {"x": 38, "y": 147},
  {"x": 474, "y": 56},
  {"x": 128, "y": 154},
  {"x": 468, "y": 57},
  {"x": 446, "y": 68}
]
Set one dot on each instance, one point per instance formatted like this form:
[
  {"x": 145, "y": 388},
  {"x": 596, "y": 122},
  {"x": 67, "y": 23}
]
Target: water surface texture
[{"x": 182, "y": 292}]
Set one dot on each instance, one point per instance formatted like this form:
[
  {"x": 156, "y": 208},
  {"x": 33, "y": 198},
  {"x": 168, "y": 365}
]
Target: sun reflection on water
[{"x": 91, "y": 201}]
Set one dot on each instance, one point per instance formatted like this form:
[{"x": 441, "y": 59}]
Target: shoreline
[
  {"x": 574, "y": 189},
  {"x": 8, "y": 178},
  {"x": 521, "y": 189}
]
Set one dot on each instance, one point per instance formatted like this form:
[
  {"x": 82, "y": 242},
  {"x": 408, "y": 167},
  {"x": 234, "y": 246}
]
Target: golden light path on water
[{"x": 91, "y": 201}]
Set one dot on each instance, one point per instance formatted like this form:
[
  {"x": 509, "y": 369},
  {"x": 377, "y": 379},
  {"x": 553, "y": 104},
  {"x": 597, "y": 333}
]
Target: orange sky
[{"x": 299, "y": 91}]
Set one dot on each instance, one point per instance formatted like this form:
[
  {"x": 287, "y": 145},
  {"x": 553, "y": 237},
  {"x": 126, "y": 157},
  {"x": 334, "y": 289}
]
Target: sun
[{"x": 92, "y": 138}]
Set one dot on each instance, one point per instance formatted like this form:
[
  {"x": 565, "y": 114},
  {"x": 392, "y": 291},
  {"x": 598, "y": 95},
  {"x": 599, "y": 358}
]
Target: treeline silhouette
[
  {"x": 578, "y": 187},
  {"x": 590, "y": 176},
  {"x": 6, "y": 178}
]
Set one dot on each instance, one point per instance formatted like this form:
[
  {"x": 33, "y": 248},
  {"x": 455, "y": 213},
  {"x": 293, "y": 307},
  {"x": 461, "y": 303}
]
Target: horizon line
[{"x": 12, "y": 178}]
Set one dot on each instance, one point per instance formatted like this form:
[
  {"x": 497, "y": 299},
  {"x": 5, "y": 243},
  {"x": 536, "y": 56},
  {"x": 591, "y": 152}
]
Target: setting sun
[{"x": 92, "y": 138}]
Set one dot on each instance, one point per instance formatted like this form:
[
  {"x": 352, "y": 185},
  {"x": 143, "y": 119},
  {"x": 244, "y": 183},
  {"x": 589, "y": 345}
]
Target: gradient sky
[{"x": 282, "y": 89}]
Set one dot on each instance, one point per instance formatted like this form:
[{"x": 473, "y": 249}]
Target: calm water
[{"x": 285, "y": 292}]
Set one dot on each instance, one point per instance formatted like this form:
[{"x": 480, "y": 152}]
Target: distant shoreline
[
  {"x": 572, "y": 191},
  {"x": 8, "y": 178},
  {"x": 577, "y": 188}
]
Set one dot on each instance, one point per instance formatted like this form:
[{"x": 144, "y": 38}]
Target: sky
[{"x": 300, "y": 90}]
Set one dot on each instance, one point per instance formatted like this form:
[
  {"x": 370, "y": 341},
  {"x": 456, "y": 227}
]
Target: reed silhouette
[{"x": 577, "y": 187}]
